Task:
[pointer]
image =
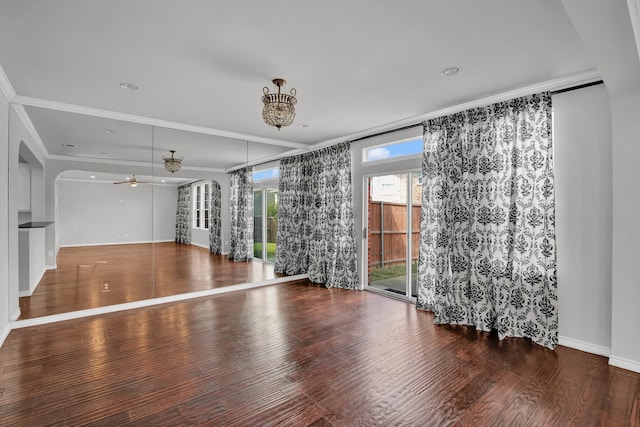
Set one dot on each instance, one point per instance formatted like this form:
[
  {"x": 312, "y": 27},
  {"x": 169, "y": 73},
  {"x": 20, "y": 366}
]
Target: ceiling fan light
[{"x": 172, "y": 164}]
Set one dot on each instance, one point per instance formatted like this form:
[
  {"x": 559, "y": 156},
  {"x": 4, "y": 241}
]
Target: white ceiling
[{"x": 357, "y": 65}]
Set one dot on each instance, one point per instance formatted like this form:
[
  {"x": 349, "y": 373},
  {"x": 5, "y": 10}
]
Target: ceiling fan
[{"x": 133, "y": 181}]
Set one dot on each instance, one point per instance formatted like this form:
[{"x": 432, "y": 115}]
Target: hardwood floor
[
  {"x": 98, "y": 276},
  {"x": 297, "y": 354}
]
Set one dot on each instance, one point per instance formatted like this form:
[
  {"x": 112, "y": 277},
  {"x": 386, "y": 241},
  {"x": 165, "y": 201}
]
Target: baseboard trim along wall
[
  {"x": 621, "y": 362},
  {"x": 81, "y": 245},
  {"x": 584, "y": 346},
  {"x": 5, "y": 334},
  {"x": 16, "y": 315},
  {"x": 17, "y": 324},
  {"x": 200, "y": 246}
]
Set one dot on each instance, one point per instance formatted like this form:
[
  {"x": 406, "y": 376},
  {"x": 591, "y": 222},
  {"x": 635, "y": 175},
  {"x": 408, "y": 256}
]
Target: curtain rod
[
  {"x": 386, "y": 132},
  {"x": 421, "y": 123},
  {"x": 582, "y": 86},
  {"x": 555, "y": 92}
]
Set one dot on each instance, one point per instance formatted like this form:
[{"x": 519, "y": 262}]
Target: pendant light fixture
[{"x": 279, "y": 108}]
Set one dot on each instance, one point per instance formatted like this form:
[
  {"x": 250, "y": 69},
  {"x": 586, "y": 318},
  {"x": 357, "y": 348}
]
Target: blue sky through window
[
  {"x": 399, "y": 149},
  {"x": 266, "y": 174}
]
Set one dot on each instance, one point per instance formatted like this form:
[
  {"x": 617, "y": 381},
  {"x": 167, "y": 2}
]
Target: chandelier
[
  {"x": 172, "y": 164},
  {"x": 279, "y": 108}
]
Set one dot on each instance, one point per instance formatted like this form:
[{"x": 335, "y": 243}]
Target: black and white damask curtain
[
  {"x": 487, "y": 246},
  {"x": 183, "y": 215},
  {"x": 241, "y": 214},
  {"x": 316, "y": 233},
  {"x": 215, "y": 223}
]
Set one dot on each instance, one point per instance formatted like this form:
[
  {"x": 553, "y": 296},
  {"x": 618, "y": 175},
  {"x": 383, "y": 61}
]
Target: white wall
[
  {"x": 165, "y": 199},
  {"x": 200, "y": 237},
  {"x": 97, "y": 213},
  {"x": 55, "y": 167},
  {"x": 582, "y": 157},
  {"x": 21, "y": 144},
  {"x": 5, "y": 312},
  {"x": 606, "y": 30}
]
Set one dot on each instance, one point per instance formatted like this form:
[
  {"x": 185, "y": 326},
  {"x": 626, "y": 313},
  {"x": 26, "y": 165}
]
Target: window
[
  {"x": 201, "y": 201},
  {"x": 410, "y": 147},
  {"x": 266, "y": 174}
]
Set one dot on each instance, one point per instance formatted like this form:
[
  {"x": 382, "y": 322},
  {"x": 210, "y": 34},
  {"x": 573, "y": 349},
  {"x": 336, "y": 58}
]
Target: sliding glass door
[
  {"x": 265, "y": 223},
  {"x": 393, "y": 229}
]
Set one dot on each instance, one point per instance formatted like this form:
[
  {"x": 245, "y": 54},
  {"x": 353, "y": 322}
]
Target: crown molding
[
  {"x": 7, "y": 89},
  {"x": 271, "y": 158},
  {"x": 5, "y": 86},
  {"x": 31, "y": 130},
  {"x": 128, "y": 163},
  {"x": 132, "y": 118},
  {"x": 634, "y": 15},
  {"x": 548, "y": 85},
  {"x": 105, "y": 181}
]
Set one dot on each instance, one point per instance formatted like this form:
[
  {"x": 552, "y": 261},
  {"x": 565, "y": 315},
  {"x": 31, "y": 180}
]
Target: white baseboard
[
  {"x": 51, "y": 267},
  {"x": 116, "y": 243},
  {"x": 22, "y": 294},
  {"x": 16, "y": 315},
  {"x": 584, "y": 346},
  {"x": 35, "y": 283},
  {"x": 5, "y": 334},
  {"x": 628, "y": 364},
  {"x": 149, "y": 302},
  {"x": 200, "y": 246}
]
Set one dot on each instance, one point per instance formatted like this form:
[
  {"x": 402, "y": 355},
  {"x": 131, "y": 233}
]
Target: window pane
[
  {"x": 257, "y": 224},
  {"x": 272, "y": 223},
  {"x": 206, "y": 218},
  {"x": 272, "y": 173},
  {"x": 398, "y": 149}
]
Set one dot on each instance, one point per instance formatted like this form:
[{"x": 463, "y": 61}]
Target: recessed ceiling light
[
  {"x": 303, "y": 125},
  {"x": 92, "y": 177},
  {"x": 103, "y": 153},
  {"x": 111, "y": 131},
  {"x": 69, "y": 145},
  {"x": 450, "y": 71},
  {"x": 162, "y": 180},
  {"x": 128, "y": 86}
]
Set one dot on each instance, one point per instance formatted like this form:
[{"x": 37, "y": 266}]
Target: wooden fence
[{"x": 387, "y": 234}]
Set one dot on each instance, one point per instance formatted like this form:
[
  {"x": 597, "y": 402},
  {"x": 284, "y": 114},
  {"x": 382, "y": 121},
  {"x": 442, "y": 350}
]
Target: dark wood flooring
[
  {"x": 297, "y": 354},
  {"x": 98, "y": 276}
]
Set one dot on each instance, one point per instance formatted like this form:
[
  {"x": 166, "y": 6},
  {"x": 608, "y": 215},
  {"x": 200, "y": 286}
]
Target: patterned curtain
[
  {"x": 183, "y": 215},
  {"x": 215, "y": 224},
  {"x": 316, "y": 232},
  {"x": 241, "y": 215},
  {"x": 293, "y": 233},
  {"x": 487, "y": 246}
]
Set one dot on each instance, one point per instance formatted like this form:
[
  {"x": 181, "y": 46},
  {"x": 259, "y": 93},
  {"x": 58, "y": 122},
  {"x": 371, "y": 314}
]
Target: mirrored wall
[{"x": 103, "y": 208}]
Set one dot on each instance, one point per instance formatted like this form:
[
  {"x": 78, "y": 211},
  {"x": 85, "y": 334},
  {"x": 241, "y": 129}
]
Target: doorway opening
[
  {"x": 393, "y": 231},
  {"x": 265, "y": 223}
]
